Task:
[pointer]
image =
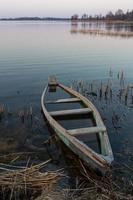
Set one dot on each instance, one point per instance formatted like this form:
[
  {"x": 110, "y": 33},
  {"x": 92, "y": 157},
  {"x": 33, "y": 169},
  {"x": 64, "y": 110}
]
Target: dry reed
[
  {"x": 15, "y": 179},
  {"x": 103, "y": 32}
]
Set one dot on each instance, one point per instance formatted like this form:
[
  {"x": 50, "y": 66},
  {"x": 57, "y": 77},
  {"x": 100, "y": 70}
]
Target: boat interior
[{"x": 72, "y": 114}]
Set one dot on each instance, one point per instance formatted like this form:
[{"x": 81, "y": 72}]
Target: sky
[{"x": 60, "y": 8}]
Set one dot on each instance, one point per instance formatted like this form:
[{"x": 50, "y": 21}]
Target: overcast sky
[{"x": 60, "y": 8}]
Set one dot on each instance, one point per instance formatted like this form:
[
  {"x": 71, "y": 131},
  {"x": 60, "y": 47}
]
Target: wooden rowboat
[{"x": 80, "y": 137}]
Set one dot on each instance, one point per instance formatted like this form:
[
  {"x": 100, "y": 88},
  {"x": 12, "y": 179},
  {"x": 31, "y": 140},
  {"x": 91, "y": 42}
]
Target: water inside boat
[{"x": 71, "y": 122}]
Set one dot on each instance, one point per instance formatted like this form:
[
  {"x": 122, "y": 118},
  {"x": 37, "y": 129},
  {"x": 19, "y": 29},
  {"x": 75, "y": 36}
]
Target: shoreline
[{"x": 65, "y": 19}]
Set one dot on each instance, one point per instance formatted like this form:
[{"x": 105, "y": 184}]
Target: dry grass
[
  {"x": 91, "y": 187},
  {"x": 33, "y": 179}
]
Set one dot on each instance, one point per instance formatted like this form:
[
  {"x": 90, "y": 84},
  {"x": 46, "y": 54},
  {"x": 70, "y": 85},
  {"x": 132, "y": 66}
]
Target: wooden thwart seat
[
  {"x": 70, "y": 112},
  {"x": 69, "y": 100},
  {"x": 52, "y": 81},
  {"x": 87, "y": 130}
]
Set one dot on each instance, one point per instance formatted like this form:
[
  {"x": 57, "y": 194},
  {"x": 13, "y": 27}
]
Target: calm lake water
[{"x": 30, "y": 51}]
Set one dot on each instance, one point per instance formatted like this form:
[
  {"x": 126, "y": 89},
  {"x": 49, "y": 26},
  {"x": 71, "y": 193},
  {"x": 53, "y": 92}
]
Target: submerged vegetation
[
  {"x": 25, "y": 175},
  {"x": 111, "y": 33}
]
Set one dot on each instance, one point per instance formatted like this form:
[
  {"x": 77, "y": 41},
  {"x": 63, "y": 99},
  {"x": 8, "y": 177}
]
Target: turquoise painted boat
[{"x": 79, "y": 137}]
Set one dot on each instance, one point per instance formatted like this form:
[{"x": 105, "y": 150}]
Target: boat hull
[
  {"x": 87, "y": 155},
  {"x": 100, "y": 169}
]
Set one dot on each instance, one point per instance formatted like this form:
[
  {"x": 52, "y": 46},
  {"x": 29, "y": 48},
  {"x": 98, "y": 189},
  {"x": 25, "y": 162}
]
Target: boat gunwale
[
  {"x": 79, "y": 144},
  {"x": 97, "y": 116}
]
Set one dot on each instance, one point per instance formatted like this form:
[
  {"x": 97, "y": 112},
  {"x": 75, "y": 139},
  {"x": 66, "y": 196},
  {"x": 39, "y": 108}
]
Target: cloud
[{"x": 59, "y": 7}]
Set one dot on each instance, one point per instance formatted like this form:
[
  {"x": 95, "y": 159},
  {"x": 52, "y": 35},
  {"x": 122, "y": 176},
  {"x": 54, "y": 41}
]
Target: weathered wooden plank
[
  {"x": 131, "y": 85},
  {"x": 96, "y": 114},
  {"x": 87, "y": 130},
  {"x": 52, "y": 80},
  {"x": 88, "y": 155},
  {"x": 69, "y": 100},
  {"x": 70, "y": 112}
]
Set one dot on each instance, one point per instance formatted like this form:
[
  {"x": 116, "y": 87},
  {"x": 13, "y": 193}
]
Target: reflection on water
[
  {"x": 29, "y": 52},
  {"x": 103, "y": 28}
]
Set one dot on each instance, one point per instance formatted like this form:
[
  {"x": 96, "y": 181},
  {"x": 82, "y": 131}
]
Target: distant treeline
[
  {"x": 34, "y": 18},
  {"x": 118, "y": 15}
]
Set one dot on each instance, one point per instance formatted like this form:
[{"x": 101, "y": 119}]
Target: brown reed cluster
[
  {"x": 103, "y": 32},
  {"x": 14, "y": 179}
]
